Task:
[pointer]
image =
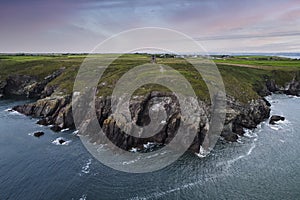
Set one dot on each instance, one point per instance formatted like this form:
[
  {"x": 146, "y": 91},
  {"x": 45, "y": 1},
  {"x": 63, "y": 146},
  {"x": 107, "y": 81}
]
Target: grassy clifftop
[{"x": 242, "y": 76}]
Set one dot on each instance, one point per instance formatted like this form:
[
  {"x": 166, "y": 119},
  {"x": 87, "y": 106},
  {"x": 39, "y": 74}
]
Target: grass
[
  {"x": 265, "y": 62},
  {"x": 242, "y": 75}
]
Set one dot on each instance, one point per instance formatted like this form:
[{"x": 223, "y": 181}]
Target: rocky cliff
[{"x": 57, "y": 111}]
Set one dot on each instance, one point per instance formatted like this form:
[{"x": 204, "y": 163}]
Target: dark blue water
[{"x": 264, "y": 164}]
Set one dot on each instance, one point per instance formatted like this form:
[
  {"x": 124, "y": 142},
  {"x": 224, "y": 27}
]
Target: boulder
[
  {"x": 61, "y": 141},
  {"x": 38, "y": 134},
  {"x": 276, "y": 118}
]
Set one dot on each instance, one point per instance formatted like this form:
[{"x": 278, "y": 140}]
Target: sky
[{"x": 223, "y": 26}]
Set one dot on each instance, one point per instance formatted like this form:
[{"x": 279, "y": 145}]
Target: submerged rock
[
  {"x": 38, "y": 134},
  {"x": 276, "y": 118}
]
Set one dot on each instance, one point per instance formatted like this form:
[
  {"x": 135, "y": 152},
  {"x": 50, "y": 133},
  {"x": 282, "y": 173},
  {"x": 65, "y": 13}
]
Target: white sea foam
[
  {"x": 284, "y": 122},
  {"x": 56, "y": 141},
  {"x": 101, "y": 147},
  {"x": 86, "y": 168},
  {"x": 239, "y": 140},
  {"x": 152, "y": 156},
  {"x": 148, "y": 145},
  {"x": 251, "y": 149},
  {"x": 158, "y": 195},
  {"x": 31, "y": 134},
  {"x": 276, "y": 128},
  {"x": 131, "y": 161},
  {"x": 83, "y": 197},
  {"x": 63, "y": 130},
  {"x": 134, "y": 150},
  {"x": 75, "y": 132},
  {"x": 250, "y": 133},
  {"x": 13, "y": 112},
  {"x": 202, "y": 152}
]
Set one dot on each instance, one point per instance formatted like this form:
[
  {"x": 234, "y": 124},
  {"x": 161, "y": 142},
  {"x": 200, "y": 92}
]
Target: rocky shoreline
[{"x": 56, "y": 110}]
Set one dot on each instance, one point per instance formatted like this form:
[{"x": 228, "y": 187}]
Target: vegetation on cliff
[
  {"x": 50, "y": 79},
  {"x": 243, "y": 76}
]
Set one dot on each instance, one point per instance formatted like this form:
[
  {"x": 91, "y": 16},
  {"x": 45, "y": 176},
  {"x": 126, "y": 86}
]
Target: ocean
[{"x": 263, "y": 164}]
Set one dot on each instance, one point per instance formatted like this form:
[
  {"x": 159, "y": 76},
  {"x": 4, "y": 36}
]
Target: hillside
[{"x": 244, "y": 77}]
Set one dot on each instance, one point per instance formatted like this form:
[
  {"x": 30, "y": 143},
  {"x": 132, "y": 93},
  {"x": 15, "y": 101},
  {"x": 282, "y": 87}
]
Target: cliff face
[
  {"x": 290, "y": 88},
  {"x": 57, "y": 111},
  {"x": 28, "y": 86}
]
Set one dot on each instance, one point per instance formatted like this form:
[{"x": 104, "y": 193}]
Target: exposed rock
[
  {"x": 293, "y": 88},
  {"x": 276, "y": 118},
  {"x": 267, "y": 102},
  {"x": 272, "y": 86},
  {"x": 45, "y": 121},
  {"x": 38, "y": 134},
  {"x": 56, "y": 128},
  {"x": 2, "y": 85},
  {"x": 58, "y": 111},
  {"x": 290, "y": 88},
  {"x": 51, "y": 110},
  {"x": 28, "y": 86},
  {"x": 18, "y": 85},
  {"x": 229, "y": 136},
  {"x": 61, "y": 141},
  {"x": 238, "y": 129}
]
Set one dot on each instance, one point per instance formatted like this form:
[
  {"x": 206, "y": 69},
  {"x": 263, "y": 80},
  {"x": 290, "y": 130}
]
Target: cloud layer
[{"x": 220, "y": 26}]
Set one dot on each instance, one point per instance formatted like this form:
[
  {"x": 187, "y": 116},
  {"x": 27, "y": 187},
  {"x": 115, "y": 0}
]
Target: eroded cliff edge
[{"x": 54, "y": 109}]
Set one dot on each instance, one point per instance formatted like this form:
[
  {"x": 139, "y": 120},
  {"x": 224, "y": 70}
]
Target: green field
[
  {"x": 265, "y": 62},
  {"x": 242, "y": 75}
]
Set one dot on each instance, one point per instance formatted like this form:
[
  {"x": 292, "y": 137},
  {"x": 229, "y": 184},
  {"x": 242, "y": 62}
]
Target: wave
[
  {"x": 13, "y": 112},
  {"x": 202, "y": 152},
  {"x": 83, "y": 197},
  {"x": 61, "y": 141},
  {"x": 64, "y": 130},
  {"x": 101, "y": 147},
  {"x": 75, "y": 132},
  {"x": 281, "y": 125},
  {"x": 293, "y": 97},
  {"x": 229, "y": 163},
  {"x": 134, "y": 150},
  {"x": 250, "y": 133},
  {"x": 158, "y": 195},
  {"x": 149, "y": 145},
  {"x": 131, "y": 161},
  {"x": 86, "y": 168}
]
